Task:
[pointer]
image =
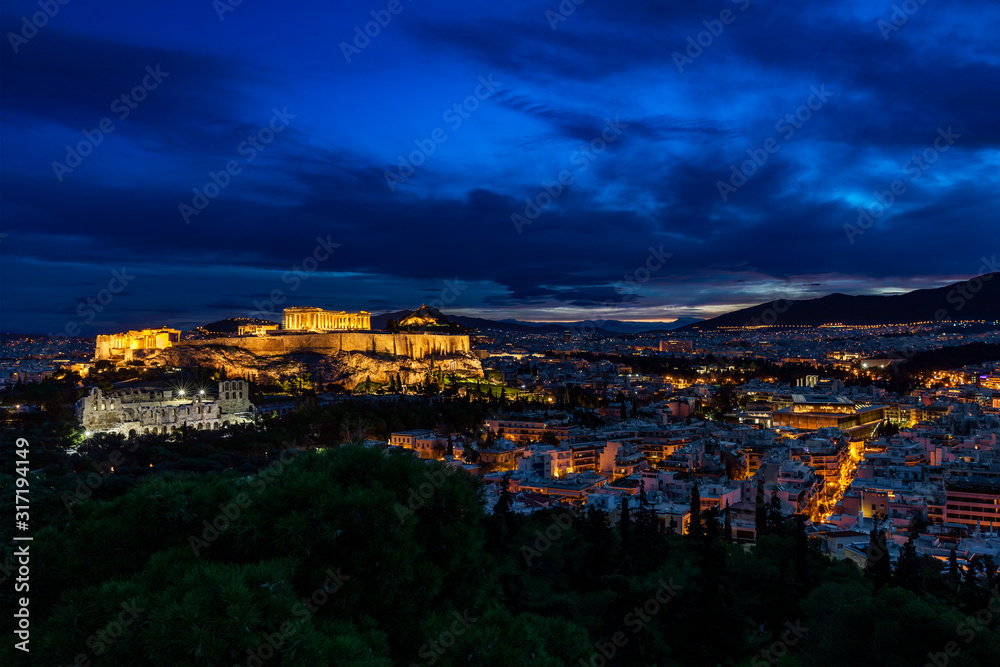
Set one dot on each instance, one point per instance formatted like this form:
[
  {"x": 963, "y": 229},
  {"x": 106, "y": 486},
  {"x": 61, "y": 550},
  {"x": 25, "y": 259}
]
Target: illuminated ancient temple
[{"x": 301, "y": 318}]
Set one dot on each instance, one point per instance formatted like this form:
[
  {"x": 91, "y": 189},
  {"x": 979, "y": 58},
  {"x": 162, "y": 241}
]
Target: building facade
[{"x": 973, "y": 501}]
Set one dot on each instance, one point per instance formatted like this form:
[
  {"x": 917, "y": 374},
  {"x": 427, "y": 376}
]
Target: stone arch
[
  {"x": 154, "y": 431},
  {"x": 225, "y": 423},
  {"x": 145, "y": 431},
  {"x": 132, "y": 433}
]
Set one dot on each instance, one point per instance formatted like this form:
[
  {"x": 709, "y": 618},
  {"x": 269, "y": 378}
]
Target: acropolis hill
[{"x": 344, "y": 357}]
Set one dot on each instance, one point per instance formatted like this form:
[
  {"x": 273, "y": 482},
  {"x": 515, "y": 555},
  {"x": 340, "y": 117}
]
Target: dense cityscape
[{"x": 873, "y": 446}]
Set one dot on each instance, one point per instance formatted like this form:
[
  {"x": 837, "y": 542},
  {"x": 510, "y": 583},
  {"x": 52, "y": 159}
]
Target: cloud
[{"x": 657, "y": 184}]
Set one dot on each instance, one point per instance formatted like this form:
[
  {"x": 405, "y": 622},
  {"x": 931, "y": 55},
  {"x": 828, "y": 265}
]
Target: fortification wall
[{"x": 416, "y": 346}]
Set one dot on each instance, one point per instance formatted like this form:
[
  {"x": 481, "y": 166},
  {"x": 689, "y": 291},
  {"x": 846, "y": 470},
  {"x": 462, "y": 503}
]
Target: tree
[
  {"x": 878, "y": 566},
  {"x": 953, "y": 565},
  {"x": 774, "y": 518},
  {"x": 801, "y": 555},
  {"x": 727, "y": 528},
  {"x": 695, "y": 529},
  {"x": 505, "y": 504},
  {"x": 761, "y": 509},
  {"x": 624, "y": 523},
  {"x": 907, "y": 573}
]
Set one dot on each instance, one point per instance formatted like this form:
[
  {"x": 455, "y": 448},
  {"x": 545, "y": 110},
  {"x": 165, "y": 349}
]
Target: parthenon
[{"x": 302, "y": 318}]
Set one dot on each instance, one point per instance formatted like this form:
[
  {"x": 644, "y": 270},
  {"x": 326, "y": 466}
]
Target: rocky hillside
[{"x": 345, "y": 368}]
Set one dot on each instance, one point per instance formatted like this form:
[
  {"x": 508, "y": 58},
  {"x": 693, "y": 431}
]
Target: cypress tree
[
  {"x": 908, "y": 568},
  {"x": 624, "y": 523},
  {"x": 761, "y": 509},
  {"x": 774, "y": 519},
  {"x": 878, "y": 567},
  {"x": 695, "y": 529},
  {"x": 727, "y": 528}
]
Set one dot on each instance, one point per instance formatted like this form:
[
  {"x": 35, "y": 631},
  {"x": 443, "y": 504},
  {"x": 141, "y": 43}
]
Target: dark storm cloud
[{"x": 652, "y": 189}]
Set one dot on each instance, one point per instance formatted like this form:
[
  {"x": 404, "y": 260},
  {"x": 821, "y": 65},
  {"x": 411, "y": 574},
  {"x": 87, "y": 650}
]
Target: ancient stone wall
[{"x": 415, "y": 346}]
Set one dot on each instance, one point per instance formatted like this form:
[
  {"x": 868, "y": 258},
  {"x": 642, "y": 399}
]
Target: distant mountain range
[
  {"x": 974, "y": 299},
  {"x": 610, "y": 326}
]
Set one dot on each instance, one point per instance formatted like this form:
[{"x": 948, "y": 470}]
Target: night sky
[{"x": 645, "y": 111}]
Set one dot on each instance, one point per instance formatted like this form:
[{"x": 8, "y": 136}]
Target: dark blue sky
[{"x": 644, "y": 109}]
